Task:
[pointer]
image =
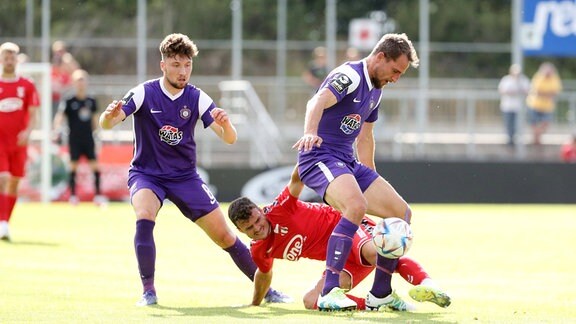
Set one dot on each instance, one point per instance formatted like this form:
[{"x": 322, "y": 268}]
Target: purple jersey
[
  {"x": 358, "y": 102},
  {"x": 164, "y": 125}
]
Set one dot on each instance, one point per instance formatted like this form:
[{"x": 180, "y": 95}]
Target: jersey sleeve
[
  {"x": 258, "y": 251},
  {"x": 205, "y": 105},
  {"x": 342, "y": 81},
  {"x": 133, "y": 100}
]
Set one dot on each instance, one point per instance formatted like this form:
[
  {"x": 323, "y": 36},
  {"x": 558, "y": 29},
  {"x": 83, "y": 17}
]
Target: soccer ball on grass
[{"x": 392, "y": 237}]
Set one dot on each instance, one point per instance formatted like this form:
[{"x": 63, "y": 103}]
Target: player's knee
[
  {"x": 310, "y": 300},
  {"x": 355, "y": 209}
]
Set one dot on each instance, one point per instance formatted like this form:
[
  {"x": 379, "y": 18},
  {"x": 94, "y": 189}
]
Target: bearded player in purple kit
[
  {"x": 339, "y": 116},
  {"x": 165, "y": 112}
]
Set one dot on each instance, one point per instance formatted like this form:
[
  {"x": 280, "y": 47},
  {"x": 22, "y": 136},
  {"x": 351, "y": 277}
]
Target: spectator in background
[
  {"x": 19, "y": 103},
  {"x": 63, "y": 64},
  {"x": 80, "y": 112},
  {"x": 316, "y": 70},
  {"x": 541, "y": 101},
  {"x": 513, "y": 89},
  {"x": 568, "y": 151},
  {"x": 352, "y": 54}
]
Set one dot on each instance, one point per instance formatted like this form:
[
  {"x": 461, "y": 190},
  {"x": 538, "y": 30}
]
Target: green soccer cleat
[{"x": 423, "y": 293}]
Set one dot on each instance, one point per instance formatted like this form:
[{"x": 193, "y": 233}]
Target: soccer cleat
[
  {"x": 336, "y": 300},
  {"x": 100, "y": 200},
  {"x": 423, "y": 293},
  {"x": 275, "y": 296},
  {"x": 4, "y": 231},
  {"x": 73, "y": 200},
  {"x": 392, "y": 301},
  {"x": 148, "y": 298}
]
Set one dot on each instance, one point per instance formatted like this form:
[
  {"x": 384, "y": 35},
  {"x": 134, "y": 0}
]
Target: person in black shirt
[{"x": 80, "y": 112}]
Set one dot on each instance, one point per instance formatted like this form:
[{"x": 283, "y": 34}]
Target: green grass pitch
[{"x": 75, "y": 264}]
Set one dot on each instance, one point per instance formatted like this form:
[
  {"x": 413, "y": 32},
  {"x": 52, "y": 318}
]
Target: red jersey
[
  {"x": 299, "y": 230},
  {"x": 16, "y": 97}
]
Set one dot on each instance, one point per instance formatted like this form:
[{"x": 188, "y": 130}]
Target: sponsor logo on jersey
[
  {"x": 10, "y": 104},
  {"x": 340, "y": 82},
  {"x": 185, "y": 112},
  {"x": 350, "y": 123},
  {"x": 294, "y": 248},
  {"x": 170, "y": 135}
]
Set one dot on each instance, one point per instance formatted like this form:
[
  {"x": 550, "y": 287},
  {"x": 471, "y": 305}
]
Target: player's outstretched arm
[
  {"x": 262, "y": 281},
  {"x": 222, "y": 126},
  {"x": 295, "y": 186},
  {"x": 314, "y": 110},
  {"x": 112, "y": 115}
]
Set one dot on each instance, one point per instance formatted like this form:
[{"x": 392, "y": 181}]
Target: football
[{"x": 392, "y": 237}]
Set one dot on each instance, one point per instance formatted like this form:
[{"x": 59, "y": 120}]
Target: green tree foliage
[{"x": 451, "y": 21}]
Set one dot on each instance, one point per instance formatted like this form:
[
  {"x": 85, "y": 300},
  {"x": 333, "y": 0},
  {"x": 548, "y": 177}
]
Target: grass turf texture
[{"x": 500, "y": 264}]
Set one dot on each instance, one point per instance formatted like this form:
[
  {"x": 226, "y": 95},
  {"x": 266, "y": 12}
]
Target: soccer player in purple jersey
[
  {"x": 165, "y": 111},
  {"x": 339, "y": 116}
]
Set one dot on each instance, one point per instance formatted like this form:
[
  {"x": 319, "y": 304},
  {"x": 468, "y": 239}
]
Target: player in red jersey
[
  {"x": 18, "y": 105},
  {"x": 292, "y": 229}
]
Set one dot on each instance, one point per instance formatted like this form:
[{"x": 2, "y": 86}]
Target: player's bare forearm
[
  {"x": 295, "y": 186},
  {"x": 366, "y": 146},
  {"x": 112, "y": 115},
  {"x": 262, "y": 283},
  {"x": 222, "y": 126},
  {"x": 24, "y": 135},
  {"x": 323, "y": 99}
]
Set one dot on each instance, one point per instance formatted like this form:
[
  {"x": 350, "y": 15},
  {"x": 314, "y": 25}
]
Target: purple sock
[
  {"x": 339, "y": 245},
  {"x": 382, "y": 285},
  {"x": 241, "y": 256},
  {"x": 145, "y": 252}
]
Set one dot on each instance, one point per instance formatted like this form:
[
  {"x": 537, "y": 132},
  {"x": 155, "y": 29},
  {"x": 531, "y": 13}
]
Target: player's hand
[
  {"x": 220, "y": 116},
  {"x": 307, "y": 142},
  {"x": 113, "y": 109},
  {"x": 23, "y": 137}
]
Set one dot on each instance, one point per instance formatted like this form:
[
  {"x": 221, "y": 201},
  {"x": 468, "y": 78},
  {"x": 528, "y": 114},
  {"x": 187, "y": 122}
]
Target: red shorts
[
  {"x": 356, "y": 266},
  {"x": 13, "y": 160}
]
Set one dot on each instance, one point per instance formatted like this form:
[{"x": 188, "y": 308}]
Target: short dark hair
[
  {"x": 395, "y": 45},
  {"x": 177, "y": 44},
  {"x": 240, "y": 209}
]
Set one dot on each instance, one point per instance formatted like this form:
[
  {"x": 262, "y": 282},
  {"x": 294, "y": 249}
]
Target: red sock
[
  {"x": 411, "y": 270},
  {"x": 3, "y": 208},
  {"x": 10, "y": 202}
]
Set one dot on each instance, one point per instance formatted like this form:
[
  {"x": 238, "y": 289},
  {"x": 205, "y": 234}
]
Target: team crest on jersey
[
  {"x": 350, "y": 123},
  {"x": 340, "y": 82},
  {"x": 185, "y": 112},
  {"x": 20, "y": 92},
  {"x": 170, "y": 134},
  {"x": 293, "y": 249}
]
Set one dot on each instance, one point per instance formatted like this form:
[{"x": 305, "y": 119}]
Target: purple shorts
[
  {"x": 318, "y": 168},
  {"x": 190, "y": 194}
]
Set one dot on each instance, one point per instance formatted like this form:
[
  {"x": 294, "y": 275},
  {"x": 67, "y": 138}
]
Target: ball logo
[
  {"x": 350, "y": 123},
  {"x": 294, "y": 248},
  {"x": 170, "y": 135}
]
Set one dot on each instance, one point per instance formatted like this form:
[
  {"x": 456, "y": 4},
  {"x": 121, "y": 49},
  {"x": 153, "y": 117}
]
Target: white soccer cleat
[
  {"x": 336, "y": 300},
  {"x": 73, "y": 200},
  {"x": 148, "y": 298},
  {"x": 423, "y": 293},
  {"x": 392, "y": 301},
  {"x": 100, "y": 200},
  {"x": 4, "y": 231}
]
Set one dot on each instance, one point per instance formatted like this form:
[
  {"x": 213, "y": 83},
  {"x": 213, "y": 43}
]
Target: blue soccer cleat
[{"x": 274, "y": 296}]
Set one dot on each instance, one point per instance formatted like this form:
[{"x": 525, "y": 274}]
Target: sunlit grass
[{"x": 500, "y": 264}]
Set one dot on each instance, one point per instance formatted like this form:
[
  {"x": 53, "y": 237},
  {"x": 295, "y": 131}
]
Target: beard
[{"x": 177, "y": 85}]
